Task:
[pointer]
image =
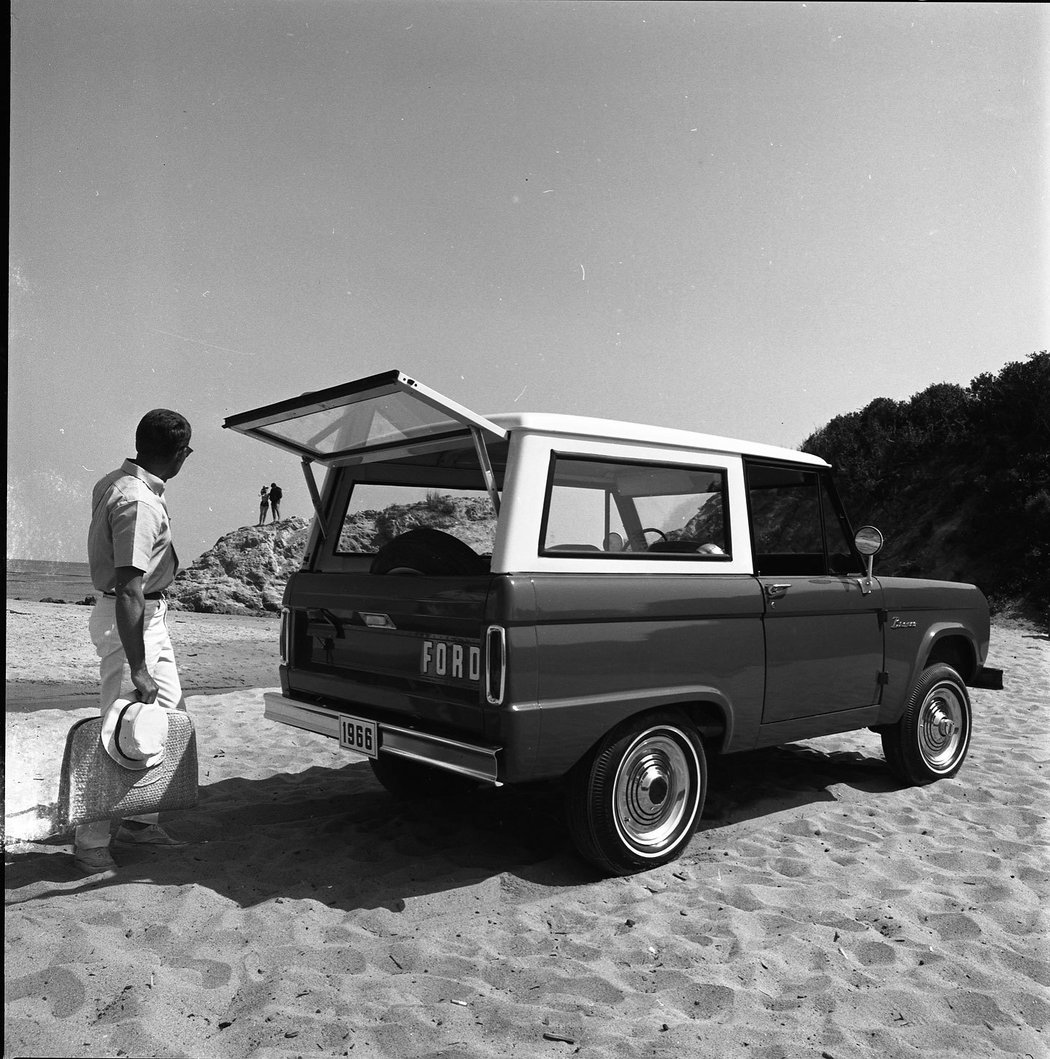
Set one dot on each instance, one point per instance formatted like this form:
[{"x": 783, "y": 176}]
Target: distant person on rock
[
  {"x": 264, "y": 503},
  {"x": 132, "y": 561},
  {"x": 275, "y": 501}
]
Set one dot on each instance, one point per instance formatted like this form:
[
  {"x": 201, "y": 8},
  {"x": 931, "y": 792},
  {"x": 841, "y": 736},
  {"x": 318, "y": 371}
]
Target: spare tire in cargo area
[{"x": 429, "y": 552}]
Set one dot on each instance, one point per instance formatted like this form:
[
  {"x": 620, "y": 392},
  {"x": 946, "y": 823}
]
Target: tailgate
[{"x": 402, "y": 649}]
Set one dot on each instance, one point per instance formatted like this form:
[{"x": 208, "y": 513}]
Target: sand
[{"x": 820, "y": 911}]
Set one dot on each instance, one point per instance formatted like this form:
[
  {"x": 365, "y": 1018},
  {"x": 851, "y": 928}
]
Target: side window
[
  {"x": 842, "y": 557},
  {"x": 796, "y": 524},
  {"x": 786, "y": 524},
  {"x": 597, "y": 507}
]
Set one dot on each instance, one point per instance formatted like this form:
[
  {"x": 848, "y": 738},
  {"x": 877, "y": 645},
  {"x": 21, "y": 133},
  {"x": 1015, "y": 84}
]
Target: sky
[{"x": 741, "y": 219}]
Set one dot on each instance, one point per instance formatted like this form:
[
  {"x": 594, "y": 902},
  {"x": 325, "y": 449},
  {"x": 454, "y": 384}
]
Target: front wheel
[
  {"x": 635, "y": 800},
  {"x": 932, "y": 737}
]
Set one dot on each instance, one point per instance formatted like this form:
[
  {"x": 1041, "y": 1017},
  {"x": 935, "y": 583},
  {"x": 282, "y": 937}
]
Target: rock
[
  {"x": 245, "y": 572},
  {"x": 470, "y": 519}
]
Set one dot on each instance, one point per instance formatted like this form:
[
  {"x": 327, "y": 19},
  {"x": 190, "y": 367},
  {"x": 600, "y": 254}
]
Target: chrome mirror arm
[
  {"x": 868, "y": 542},
  {"x": 865, "y": 581}
]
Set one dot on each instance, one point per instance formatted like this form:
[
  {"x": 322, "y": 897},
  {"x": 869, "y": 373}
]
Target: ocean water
[{"x": 42, "y": 579}]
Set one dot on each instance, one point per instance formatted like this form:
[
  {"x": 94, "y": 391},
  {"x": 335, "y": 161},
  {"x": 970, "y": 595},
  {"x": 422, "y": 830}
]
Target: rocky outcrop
[
  {"x": 470, "y": 519},
  {"x": 245, "y": 572}
]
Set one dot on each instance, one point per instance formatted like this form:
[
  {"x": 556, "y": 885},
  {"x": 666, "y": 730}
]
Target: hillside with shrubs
[{"x": 958, "y": 480}]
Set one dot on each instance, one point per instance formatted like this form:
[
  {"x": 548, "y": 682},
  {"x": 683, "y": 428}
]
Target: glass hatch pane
[
  {"x": 382, "y": 420},
  {"x": 379, "y": 411}
]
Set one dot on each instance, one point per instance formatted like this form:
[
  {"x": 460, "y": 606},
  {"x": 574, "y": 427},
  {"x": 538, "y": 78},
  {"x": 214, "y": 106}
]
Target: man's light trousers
[{"x": 116, "y": 680}]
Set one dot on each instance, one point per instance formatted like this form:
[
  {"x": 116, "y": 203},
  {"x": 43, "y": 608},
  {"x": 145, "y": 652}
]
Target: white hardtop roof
[
  {"x": 385, "y": 413},
  {"x": 613, "y": 430}
]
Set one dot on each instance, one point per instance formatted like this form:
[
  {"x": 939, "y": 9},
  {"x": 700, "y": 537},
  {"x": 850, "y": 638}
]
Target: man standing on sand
[{"x": 132, "y": 561}]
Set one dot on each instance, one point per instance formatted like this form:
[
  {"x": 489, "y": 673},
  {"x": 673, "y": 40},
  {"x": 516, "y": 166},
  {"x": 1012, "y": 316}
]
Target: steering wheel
[{"x": 653, "y": 529}]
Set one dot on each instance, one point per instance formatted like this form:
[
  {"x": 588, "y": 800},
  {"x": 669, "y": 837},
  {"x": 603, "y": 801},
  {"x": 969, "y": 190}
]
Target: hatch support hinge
[
  {"x": 315, "y": 496},
  {"x": 486, "y": 467}
]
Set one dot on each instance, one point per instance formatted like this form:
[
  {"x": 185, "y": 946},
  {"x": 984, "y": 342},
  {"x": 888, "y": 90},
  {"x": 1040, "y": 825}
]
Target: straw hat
[{"x": 134, "y": 733}]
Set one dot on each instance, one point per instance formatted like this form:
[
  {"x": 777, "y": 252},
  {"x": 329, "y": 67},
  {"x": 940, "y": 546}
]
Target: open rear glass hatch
[
  {"x": 358, "y": 419},
  {"x": 365, "y": 420}
]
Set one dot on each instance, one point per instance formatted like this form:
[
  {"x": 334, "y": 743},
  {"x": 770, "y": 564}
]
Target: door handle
[{"x": 775, "y": 592}]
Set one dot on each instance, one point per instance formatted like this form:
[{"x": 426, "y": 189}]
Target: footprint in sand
[
  {"x": 58, "y": 986},
  {"x": 213, "y": 973}
]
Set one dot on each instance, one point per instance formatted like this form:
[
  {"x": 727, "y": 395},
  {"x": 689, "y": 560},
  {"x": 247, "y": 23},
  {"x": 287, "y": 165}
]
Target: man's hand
[
  {"x": 145, "y": 684},
  {"x": 131, "y": 609}
]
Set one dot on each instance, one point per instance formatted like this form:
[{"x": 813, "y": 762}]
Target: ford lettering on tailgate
[{"x": 450, "y": 660}]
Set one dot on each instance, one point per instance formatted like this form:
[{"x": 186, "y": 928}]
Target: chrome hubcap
[
  {"x": 941, "y": 728},
  {"x": 655, "y": 790}
]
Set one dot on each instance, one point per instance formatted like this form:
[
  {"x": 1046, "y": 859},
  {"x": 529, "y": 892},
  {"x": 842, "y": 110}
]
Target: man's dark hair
[{"x": 161, "y": 433}]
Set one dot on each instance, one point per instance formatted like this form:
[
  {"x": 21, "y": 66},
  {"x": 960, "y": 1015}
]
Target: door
[{"x": 824, "y": 637}]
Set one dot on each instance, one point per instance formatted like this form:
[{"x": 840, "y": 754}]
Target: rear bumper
[
  {"x": 990, "y": 679},
  {"x": 466, "y": 759}
]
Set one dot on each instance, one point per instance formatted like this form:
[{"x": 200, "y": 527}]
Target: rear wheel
[
  {"x": 411, "y": 781},
  {"x": 635, "y": 800},
  {"x": 931, "y": 739}
]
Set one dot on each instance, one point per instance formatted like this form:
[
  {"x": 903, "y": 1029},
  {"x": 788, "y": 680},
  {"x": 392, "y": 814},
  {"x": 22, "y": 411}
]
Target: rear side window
[
  {"x": 795, "y": 523},
  {"x": 599, "y": 508},
  {"x": 377, "y": 513}
]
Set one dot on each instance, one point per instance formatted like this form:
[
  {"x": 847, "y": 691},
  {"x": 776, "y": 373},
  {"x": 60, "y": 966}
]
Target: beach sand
[{"x": 821, "y": 910}]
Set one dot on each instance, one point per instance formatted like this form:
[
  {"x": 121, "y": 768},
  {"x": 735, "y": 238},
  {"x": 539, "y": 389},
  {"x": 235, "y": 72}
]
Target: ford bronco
[{"x": 512, "y": 598}]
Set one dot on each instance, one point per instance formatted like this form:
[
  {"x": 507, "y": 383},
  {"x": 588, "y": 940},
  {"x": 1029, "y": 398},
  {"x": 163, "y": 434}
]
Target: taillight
[
  {"x": 495, "y": 664},
  {"x": 286, "y": 632}
]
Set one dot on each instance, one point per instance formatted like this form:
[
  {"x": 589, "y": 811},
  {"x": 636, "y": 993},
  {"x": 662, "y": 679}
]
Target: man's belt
[{"x": 145, "y": 595}]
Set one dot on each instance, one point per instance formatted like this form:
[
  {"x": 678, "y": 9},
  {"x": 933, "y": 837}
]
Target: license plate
[{"x": 355, "y": 733}]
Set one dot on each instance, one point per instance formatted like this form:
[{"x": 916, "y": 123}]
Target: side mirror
[{"x": 868, "y": 541}]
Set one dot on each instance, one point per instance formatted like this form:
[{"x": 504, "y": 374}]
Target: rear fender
[{"x": 707, "y": 708}]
